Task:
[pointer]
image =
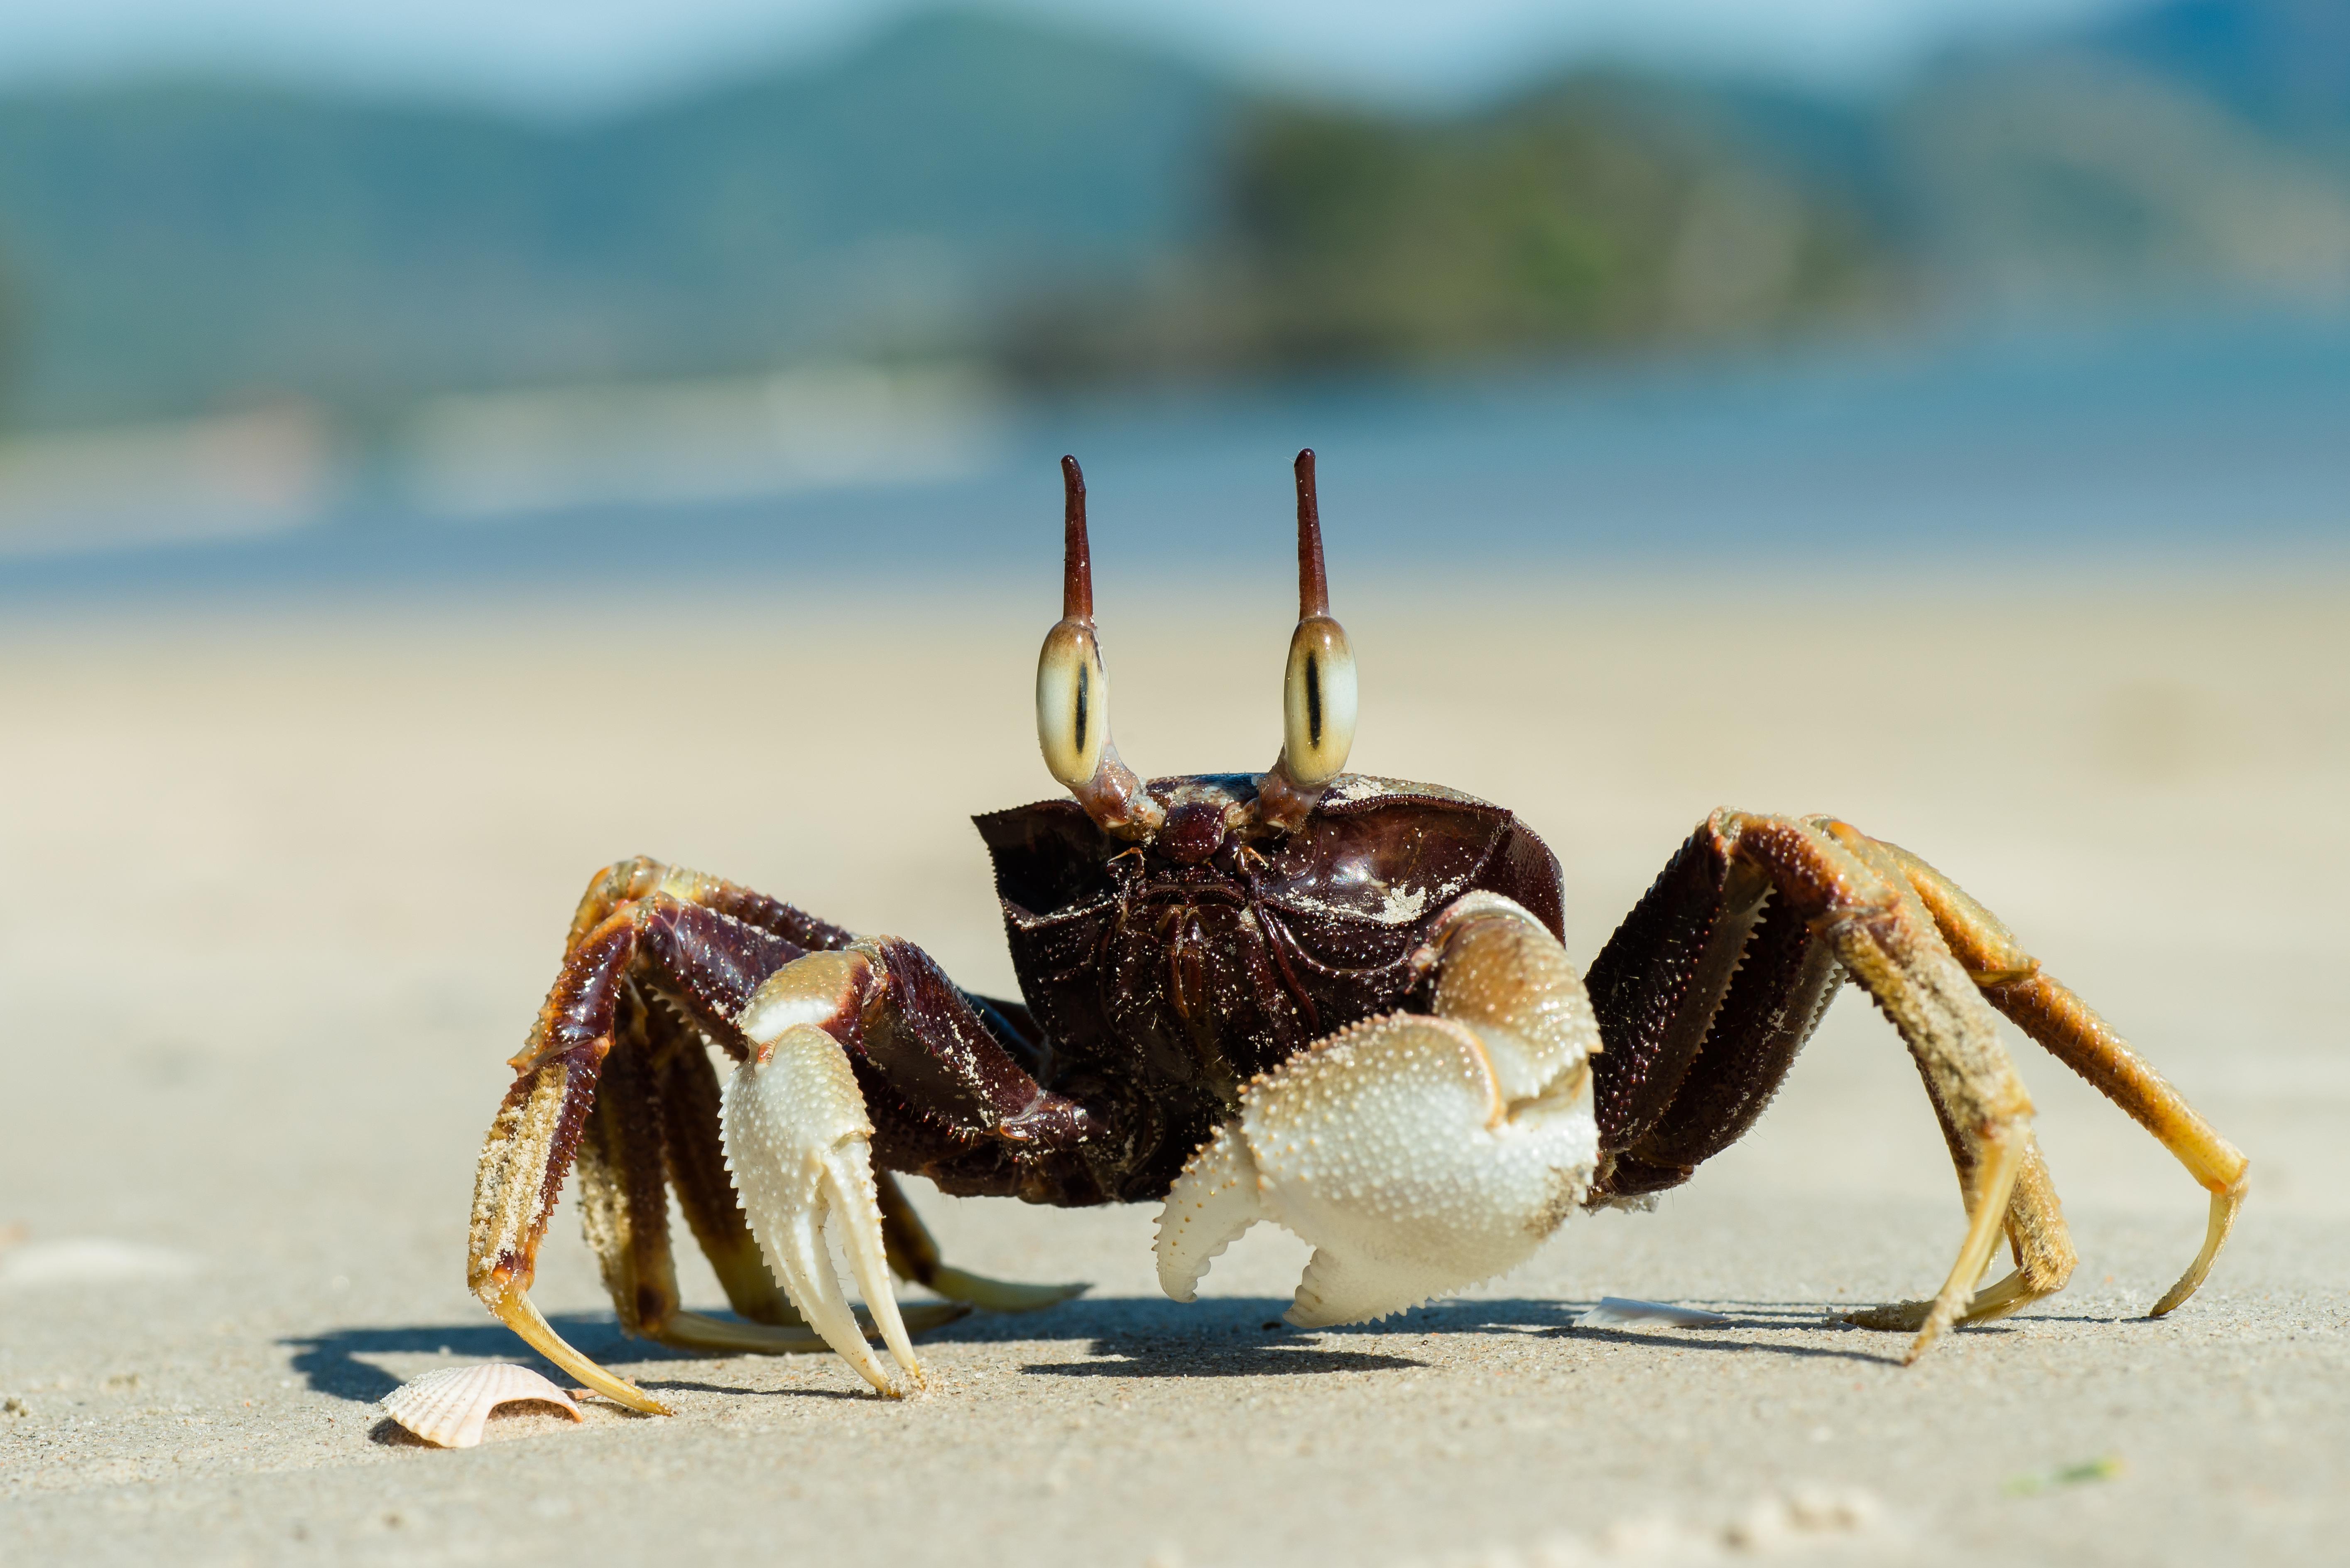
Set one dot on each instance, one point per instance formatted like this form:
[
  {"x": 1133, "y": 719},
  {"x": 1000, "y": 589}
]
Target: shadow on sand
[{"x": 1130, "y": 1336}]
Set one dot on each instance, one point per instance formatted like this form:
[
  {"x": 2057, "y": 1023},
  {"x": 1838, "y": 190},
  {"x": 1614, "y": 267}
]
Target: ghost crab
[{"x": 1337, "y": 1003}]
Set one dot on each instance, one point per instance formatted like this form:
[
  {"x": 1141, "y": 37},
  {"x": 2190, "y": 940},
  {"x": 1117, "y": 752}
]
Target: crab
[{"x": 1335, "y": 1002}]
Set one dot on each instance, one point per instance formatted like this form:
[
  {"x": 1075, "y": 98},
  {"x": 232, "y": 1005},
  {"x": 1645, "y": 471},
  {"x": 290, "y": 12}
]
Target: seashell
[{"x": 450, "y": 1408}]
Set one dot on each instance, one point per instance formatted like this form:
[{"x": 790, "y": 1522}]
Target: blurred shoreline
[
  {"x": 1076, "y": 211},
  {"x": 2199, "y": 446}
]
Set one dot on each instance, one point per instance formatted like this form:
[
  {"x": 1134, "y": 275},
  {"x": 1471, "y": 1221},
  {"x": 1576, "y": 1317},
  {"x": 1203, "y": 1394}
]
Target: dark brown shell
[{"x": 1165, "y": 981}]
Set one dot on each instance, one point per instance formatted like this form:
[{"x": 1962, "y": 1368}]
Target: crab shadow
[
  {"x": 1150, "y": 1338},
  {"x": 1147, "y": 1336},
  {"x": 1245, "y": 1336},
  {"x": 1137, "y": 1336}
]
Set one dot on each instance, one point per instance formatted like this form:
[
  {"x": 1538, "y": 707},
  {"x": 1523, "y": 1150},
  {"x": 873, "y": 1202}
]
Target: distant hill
[
  {"x": 2282, "y": 65},
  {"x": 1076, "y": 207},
  {"x": 1599, "y": 213},
  {"x": 2182, "y": 151},
  {"x": 180, "y": 247},
  {"x": 2188, "y": 155}
]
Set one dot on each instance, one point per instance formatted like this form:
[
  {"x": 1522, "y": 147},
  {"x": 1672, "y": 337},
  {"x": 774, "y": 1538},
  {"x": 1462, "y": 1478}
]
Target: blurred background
[{"x": 518, "y": 287}]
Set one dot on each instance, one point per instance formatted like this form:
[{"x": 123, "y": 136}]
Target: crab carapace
[{"x": 1333, "y": 1002}]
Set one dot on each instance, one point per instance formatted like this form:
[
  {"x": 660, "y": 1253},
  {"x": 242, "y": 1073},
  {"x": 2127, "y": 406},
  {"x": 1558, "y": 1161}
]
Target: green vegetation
[
  {"x": 196, "y": 246},
  {"x": 1587, "y": 216},
  {"x": 1073, "y": 207},
  {"x": 1602, "y": 214}
]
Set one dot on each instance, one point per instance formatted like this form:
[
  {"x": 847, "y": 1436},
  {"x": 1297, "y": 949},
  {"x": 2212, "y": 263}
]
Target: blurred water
[{"x": 2197, "y": 446}]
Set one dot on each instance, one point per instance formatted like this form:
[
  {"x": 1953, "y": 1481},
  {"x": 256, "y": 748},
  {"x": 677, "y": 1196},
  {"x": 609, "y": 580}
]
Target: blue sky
[{"x": 567, "y": 56}]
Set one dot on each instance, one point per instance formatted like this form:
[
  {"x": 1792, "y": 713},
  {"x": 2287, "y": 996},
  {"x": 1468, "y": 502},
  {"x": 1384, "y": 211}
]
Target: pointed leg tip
[
  {"x": 514, "y": 1307},
  {"x": 1928, "y": 1338},
  {"x": 629, "y": 1397},
  {"x": 2226, "y": 1203},
  {"x": 701, "y": 1334},
  {"x": 1001, "y": 1295}
]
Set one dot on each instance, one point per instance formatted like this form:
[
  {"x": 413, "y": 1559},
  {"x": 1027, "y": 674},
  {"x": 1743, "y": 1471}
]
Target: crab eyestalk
[
  {"x": 1073, "y": 693},
  {"x": 1317, "y": 691}
]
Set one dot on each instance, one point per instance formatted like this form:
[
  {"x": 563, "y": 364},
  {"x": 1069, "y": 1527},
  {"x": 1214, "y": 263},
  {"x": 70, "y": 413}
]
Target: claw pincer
[
  {"x": 800, "y": 1148},
  {"x": 1420, "y": 1153}
]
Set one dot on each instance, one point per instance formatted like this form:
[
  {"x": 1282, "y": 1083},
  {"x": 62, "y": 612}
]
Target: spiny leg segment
[
  {"x": 1716, "y": 978},
  {"x": 1899, "y": 959}
]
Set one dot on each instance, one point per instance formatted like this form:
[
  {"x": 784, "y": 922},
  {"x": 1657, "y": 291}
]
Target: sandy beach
[{"x": 289, "y": 881}]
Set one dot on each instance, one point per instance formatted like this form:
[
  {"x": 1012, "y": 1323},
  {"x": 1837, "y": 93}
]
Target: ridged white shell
[{"x": 450, "y": 1408}]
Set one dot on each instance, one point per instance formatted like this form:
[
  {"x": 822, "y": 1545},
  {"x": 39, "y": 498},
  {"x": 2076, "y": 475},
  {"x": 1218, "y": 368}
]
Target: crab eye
[
  {"x": 1072, "y": 702},
  {"x": 1317, "y": 701}
]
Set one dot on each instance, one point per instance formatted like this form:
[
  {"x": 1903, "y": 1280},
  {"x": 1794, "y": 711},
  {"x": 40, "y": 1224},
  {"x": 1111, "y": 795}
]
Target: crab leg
[
  {"x": 2075, "y": 1035},
  {"x": 1886, "y": 942},
  {"x": 2035, "y": 1230},
  {"x": 658, "y": 959},
  {"x": 1705, "y": 994},
  {"x": 2035, "y": 1220},
  {"x": 623, "y": 1189},
  {"x": 914, "y": 1255},
  {"x": 530, "y": 1145}
]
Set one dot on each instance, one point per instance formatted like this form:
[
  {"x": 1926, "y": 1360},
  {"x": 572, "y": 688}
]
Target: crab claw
[
  {"x": 1419, "y": 1154},
  {"x": 798, "y": 1144}
]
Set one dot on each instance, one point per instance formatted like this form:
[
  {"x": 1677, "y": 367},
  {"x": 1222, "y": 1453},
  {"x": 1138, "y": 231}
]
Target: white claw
[
  {"x": 1393, "y": 1148},
  {"x": 855, "y": 1204},
  {"x": 1215, "y": 1201},
  {"x": 799, "y": 1146}
]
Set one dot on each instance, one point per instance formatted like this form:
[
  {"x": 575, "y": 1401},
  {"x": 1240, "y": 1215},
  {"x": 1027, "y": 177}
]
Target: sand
[{"x": 287, "y": 883}]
